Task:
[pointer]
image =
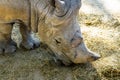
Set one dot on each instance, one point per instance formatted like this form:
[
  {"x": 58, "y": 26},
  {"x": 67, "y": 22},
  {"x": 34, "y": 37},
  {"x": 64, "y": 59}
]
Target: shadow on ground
[{"x": 39, "y": 65}]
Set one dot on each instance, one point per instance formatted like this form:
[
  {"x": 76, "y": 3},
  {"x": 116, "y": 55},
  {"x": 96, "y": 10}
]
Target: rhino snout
[
  {"x": 88, "y": 58},
  {"x": 85, "y": 56},
  {"x": 93, "y": 57}
]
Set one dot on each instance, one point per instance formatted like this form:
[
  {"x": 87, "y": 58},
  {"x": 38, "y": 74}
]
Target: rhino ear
[
  {"x": 52, "y": 2},
  {"x": 58, "y": 3},
  {"x": 60, "y": 7}
]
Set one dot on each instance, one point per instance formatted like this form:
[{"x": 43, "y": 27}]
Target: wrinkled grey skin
[{"x": 56, "y": 23}]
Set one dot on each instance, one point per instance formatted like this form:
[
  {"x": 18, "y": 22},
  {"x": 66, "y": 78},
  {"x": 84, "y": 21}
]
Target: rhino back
[{"x": 14, "y": 9}]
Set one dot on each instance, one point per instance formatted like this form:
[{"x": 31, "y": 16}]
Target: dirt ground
[{"x": 100, "y": 36}]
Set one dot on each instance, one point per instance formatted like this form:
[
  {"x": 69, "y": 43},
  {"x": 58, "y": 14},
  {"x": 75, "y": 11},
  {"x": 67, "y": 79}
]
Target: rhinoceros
[{"x": 54, "y": 20}]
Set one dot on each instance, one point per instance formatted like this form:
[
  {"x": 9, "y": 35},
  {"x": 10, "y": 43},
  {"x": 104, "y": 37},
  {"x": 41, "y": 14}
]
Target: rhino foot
[
  {"x": 7, "y": 47},
  {"x": 31, "y": 42}
]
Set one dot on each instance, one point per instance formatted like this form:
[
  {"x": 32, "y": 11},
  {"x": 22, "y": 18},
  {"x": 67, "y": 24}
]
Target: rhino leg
[
  {"x": 7, "y": 45},
  {"x": 28, "y": 40}
]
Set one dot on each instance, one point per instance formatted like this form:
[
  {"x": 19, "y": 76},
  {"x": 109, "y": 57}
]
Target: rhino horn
[
  {"x": 76, "y": 42},
  {"x": 60, "y": 8}
]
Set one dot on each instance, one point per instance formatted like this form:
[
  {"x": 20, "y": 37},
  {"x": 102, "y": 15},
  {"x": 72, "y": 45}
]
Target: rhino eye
[{"x": 58, "y": 41}]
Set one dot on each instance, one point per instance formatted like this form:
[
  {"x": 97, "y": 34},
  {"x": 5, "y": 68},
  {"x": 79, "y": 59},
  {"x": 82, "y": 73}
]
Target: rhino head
[{"x": 61, "y": 32}]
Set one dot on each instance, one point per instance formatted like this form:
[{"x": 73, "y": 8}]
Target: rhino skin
[{"x": 54, "y": 20}]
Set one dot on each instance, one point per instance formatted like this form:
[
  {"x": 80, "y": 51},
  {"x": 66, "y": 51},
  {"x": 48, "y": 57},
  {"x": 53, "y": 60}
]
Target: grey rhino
[{"x": 54, "y": 20}]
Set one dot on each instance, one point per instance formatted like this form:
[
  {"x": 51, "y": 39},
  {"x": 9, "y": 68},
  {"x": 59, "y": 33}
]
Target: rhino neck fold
[{"x": 39, "y": 9}]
